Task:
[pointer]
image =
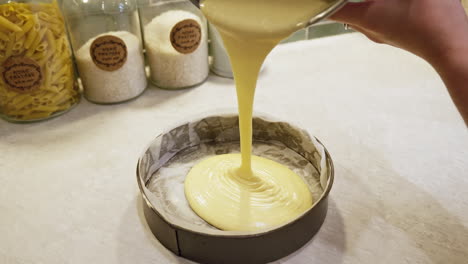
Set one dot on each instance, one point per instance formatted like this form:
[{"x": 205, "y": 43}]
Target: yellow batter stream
[{"x": 239, "y": 191}]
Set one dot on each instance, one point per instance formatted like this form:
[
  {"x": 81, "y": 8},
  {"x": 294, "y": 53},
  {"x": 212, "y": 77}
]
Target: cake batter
[{"x": 239, "y": 191}]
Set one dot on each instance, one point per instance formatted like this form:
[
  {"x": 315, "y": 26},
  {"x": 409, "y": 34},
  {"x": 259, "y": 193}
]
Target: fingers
[
  {"x": 370, "y": 35},
  {"x": 353, "y": 13}
]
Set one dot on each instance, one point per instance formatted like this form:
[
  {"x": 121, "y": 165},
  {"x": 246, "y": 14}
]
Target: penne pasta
[
  {"x": 28, "y": 25},
  {"x": 30, "y": 38},
  {"x": 60, "y": 86},
  {"x": 51, "y": 40},
  {"x": 44, "y": 59},
  {"x": 59, "y": 73},
  {"x": 62, "y": 79},
  {"x": 6, "y": 12},
  {"x": 48, "y": 18},
  {"x": 9, "y": 48},
  {"x": 21, "y": 102},
  {"x": 55, "y": 28},
  {"x": 48, "y": 76},
  {"x": 36, "y": 32},
  {"x": 42, "y": 47},
  {"x": 36, "y": 42},
  {"x": 4, "y": 36},
  {"x": 23, "y": 17},
  {"x": 23, "y": 10},
  {"x": 18, "y": 44},
  {"x": 52, "y": 89},
  {"x": 5, "y": 23}
]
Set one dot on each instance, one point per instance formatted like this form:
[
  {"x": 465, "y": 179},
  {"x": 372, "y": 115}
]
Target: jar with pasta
[
  {"x": 106, "y": 39},
  {"x": 37, "y": 76}
]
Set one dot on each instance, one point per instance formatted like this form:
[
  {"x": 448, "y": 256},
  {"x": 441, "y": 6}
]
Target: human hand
[
  {"x": 430, "y": 29},
  {"x": 435, "y": 30}
]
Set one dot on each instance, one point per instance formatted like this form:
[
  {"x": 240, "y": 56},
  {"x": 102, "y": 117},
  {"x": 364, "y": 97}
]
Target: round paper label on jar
[
  {"x": 109, "y": 53},
  {"x": 21, "y": 74},
  {"x": 186, "y": 36}
]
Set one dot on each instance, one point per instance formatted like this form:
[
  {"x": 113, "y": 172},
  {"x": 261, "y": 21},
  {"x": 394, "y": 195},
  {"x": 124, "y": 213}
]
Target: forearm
[
  {"x": 435, "y": 30},
  {"x": 453, "y": 69}
]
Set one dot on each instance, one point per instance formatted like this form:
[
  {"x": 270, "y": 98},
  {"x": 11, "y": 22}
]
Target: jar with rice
[
  {"x": 37, "y": 79},
  {"x": 106, "y": 40},
  {"x": 176, "y": 42}
]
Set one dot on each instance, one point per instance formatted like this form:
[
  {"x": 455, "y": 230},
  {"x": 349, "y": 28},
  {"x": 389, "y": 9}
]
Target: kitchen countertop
[{"x": 68, "y": 190}]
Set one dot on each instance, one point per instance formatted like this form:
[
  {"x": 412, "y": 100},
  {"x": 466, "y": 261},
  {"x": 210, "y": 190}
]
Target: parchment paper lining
[{"x": 171, "y": 155}]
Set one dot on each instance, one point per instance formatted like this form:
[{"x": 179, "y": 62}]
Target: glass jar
[
  {"x": 220, "y": 64},
  {"x": 175, "y": 37},
  {"x": 106, "y": 41},
  {"x": 37, "y": 79}
]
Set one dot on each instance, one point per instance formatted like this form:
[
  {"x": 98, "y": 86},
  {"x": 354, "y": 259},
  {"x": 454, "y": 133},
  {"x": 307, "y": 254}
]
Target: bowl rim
[{"x": 327, "y": 12}]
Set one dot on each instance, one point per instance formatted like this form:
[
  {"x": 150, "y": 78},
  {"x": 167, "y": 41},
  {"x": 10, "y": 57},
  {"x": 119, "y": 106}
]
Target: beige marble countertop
[{"x": 68, "y": 191}]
